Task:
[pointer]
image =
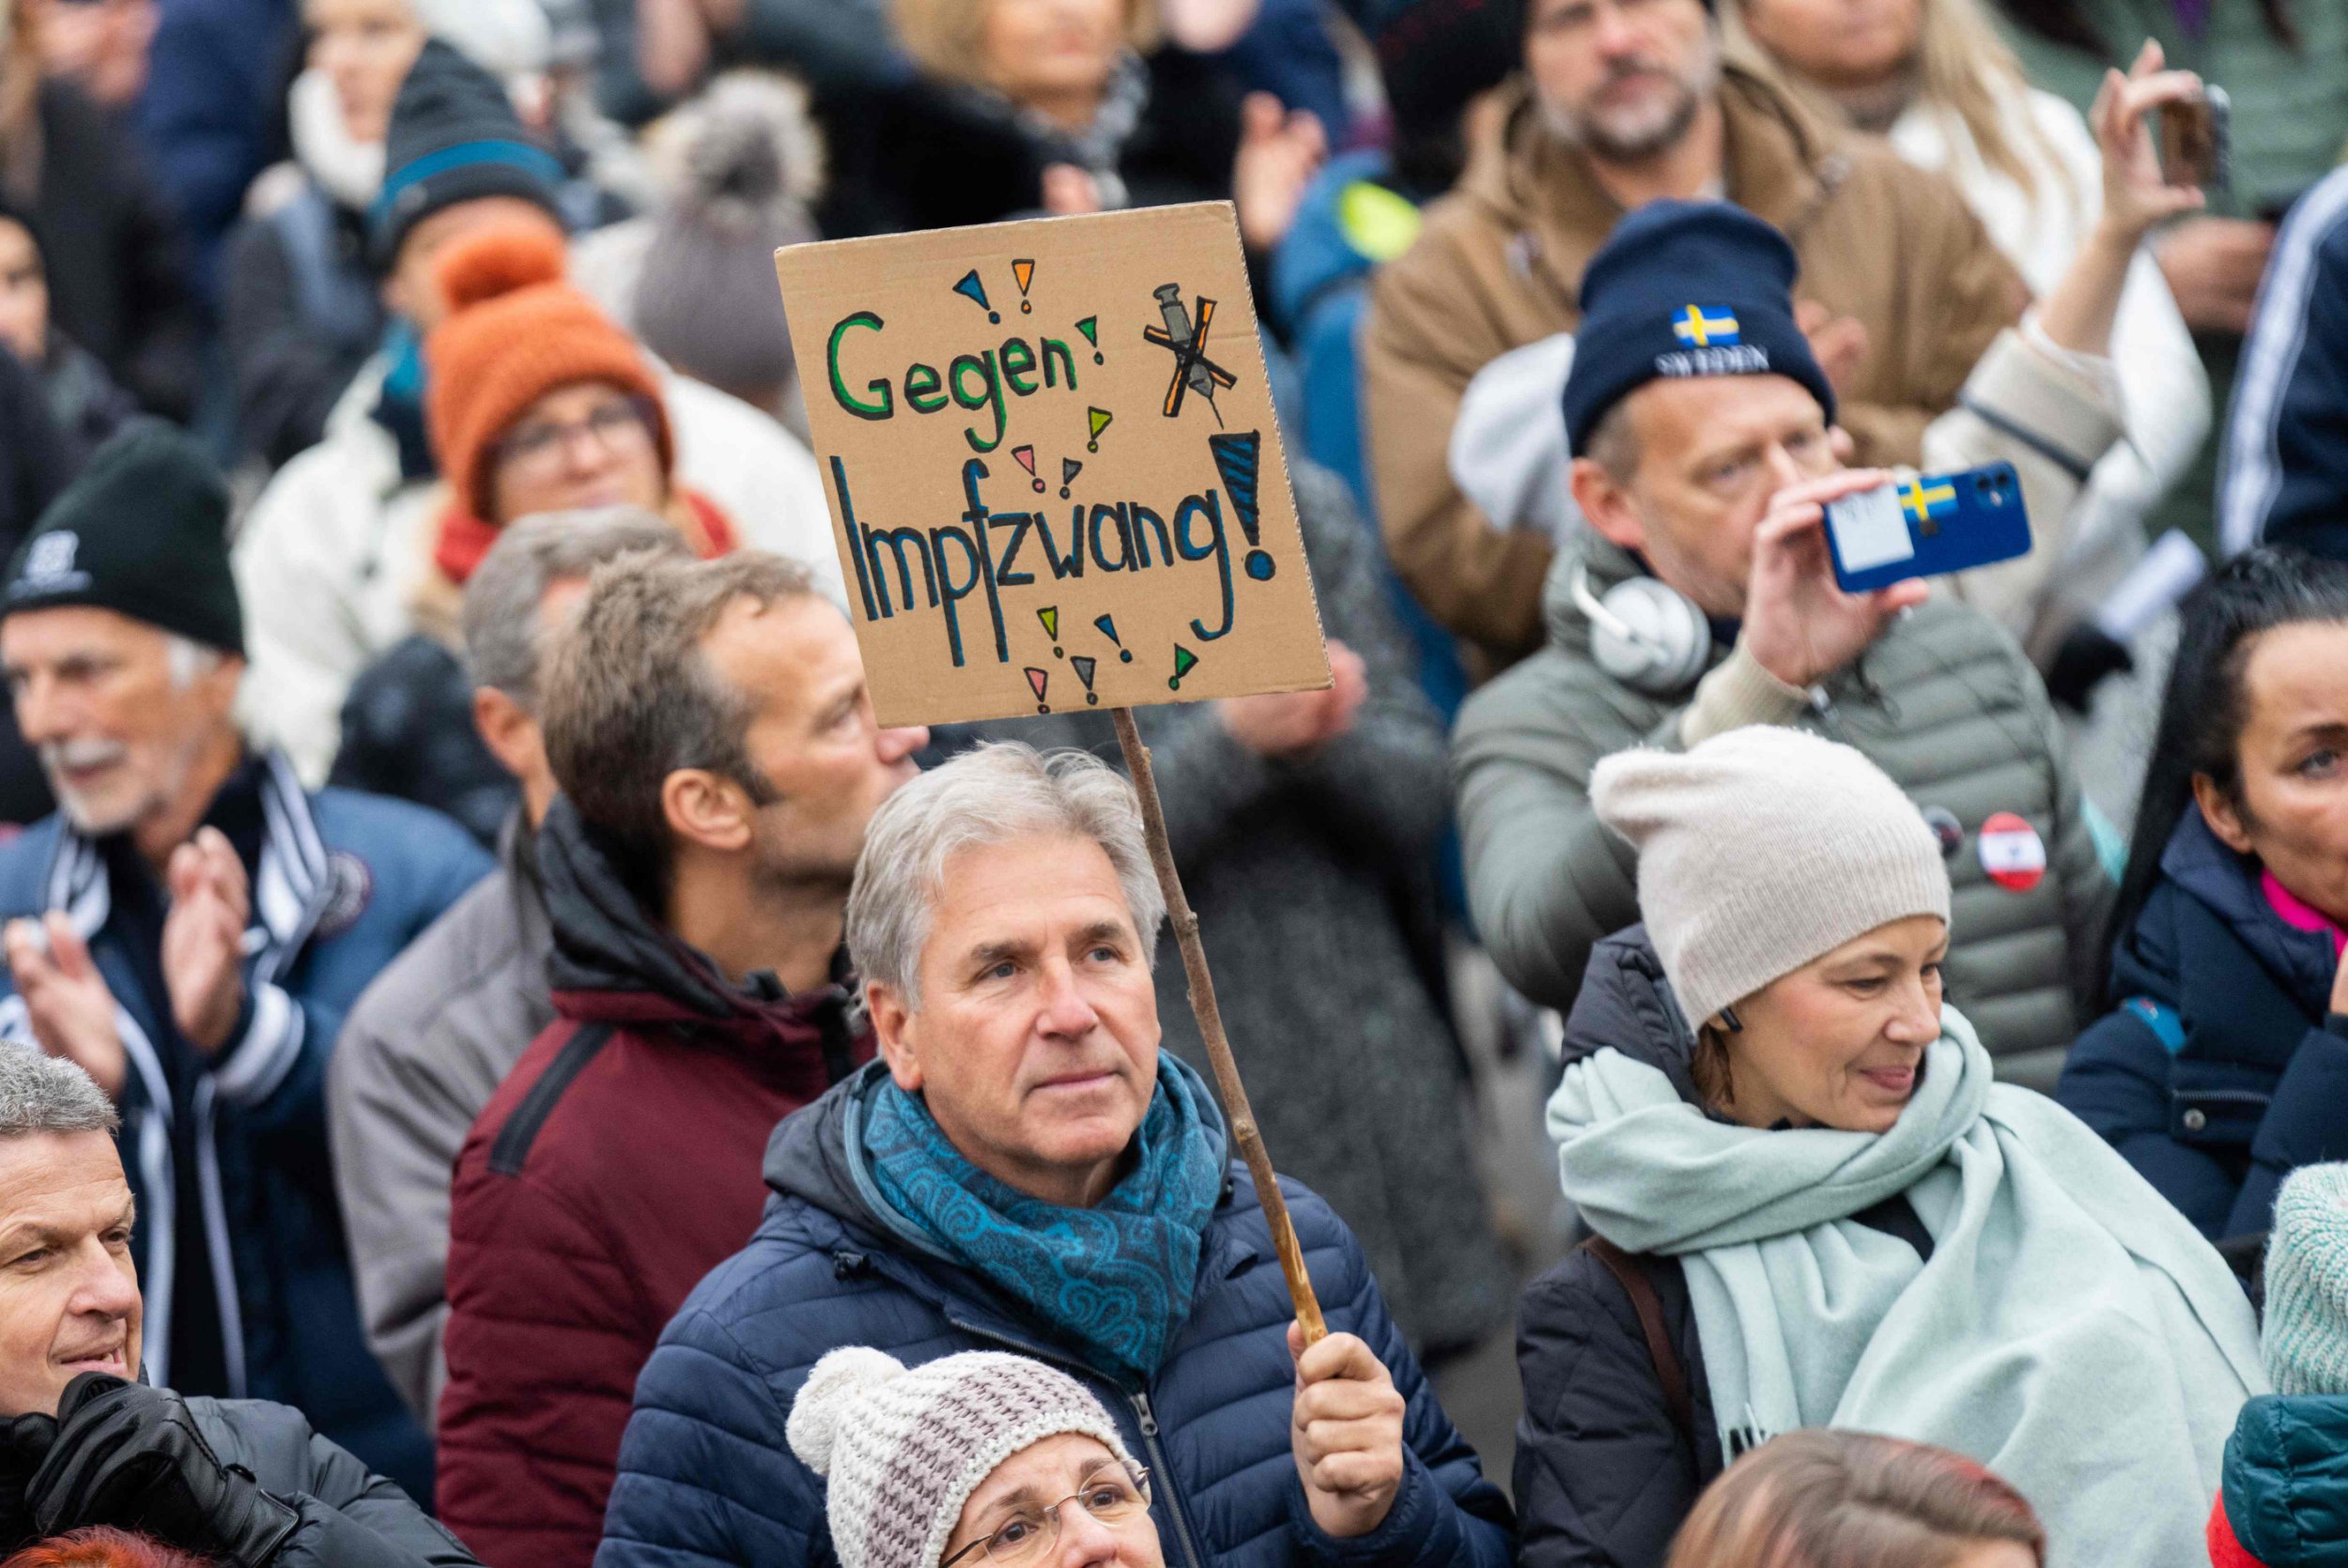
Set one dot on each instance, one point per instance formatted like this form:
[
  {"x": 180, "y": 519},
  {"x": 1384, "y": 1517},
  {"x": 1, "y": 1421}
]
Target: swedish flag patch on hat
[{"x": 1705, "y": 326}]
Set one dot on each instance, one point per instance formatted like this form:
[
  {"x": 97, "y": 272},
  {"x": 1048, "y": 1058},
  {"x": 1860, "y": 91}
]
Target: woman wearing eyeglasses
[
  {"x": 538, "y": 402},
  {"x": 979, "y": 1460}
]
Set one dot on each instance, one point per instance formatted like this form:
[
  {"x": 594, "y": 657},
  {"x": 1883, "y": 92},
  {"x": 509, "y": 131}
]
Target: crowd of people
[{"x": 505, "y": 1060}]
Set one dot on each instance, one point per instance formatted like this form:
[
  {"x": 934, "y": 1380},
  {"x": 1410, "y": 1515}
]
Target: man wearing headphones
[{"x": 1701, "y": 596}]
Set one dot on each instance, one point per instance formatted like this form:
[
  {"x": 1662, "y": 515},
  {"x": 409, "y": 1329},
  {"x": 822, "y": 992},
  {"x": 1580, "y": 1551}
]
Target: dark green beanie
[{"x": 143, "y": 532}]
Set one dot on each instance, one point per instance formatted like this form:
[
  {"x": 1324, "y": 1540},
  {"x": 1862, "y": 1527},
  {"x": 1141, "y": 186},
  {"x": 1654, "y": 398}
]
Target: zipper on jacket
[
  {"x": 1161, "y": 1472},
  {"x": 1830, "y": 717},
  {"x": 1158, "y": 1466}
]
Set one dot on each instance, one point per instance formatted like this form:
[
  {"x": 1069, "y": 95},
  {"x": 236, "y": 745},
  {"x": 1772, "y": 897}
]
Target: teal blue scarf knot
[{"x": 1113, "y": 1281}]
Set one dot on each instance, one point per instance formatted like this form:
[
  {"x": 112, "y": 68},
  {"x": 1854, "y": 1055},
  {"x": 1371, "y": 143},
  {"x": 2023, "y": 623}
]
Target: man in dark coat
[
  {"x": 190, "y": 927},
  {"x": 239, "y": 1483},
  {"x": 1027, "y": 1171},
  {"x": 708, "y": 725}
]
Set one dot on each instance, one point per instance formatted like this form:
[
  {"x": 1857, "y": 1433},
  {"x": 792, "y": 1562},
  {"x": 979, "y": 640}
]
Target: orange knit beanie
[{"x": 515, "y": 332}]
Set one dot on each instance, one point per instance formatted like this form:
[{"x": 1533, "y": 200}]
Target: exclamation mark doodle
[
  {"x": 1023, "y": 273},
  {"x": 1108, "y": 625},
  {"x": 1049, "y": 615},
  {"x": 1236, "y": 457},
  {"x": 1025, "y": 457},
  {"x": 1082, "y": 667},
  {"x": 1099, "y": 418},
  {"x": 1069, "y": 470},
  {"x": 1184, "y": 661},
  {"x": 971, "y": 288},
  {"x": 1090, "y": 328},
  {"x": 1039, "y": 679}
]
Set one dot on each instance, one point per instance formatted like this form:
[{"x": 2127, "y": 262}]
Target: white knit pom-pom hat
[{"x": 902, "y": 1449}]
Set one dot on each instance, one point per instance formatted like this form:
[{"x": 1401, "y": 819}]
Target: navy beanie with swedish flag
[{"x": 1685, "y": 289}]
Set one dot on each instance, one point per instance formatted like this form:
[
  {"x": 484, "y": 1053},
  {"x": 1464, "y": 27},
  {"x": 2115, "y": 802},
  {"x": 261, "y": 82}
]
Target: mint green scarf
[{"x": 2071, "y": 1331}]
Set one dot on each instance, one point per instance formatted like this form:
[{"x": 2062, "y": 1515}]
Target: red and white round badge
[{"x": 2012, "y": 853}]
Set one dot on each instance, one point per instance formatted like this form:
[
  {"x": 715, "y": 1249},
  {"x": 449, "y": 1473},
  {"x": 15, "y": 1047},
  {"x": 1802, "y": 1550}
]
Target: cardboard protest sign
[{"x": 1055, "y": 476}]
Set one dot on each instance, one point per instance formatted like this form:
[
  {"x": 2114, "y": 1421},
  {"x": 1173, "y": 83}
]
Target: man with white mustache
[
  {"x": 83, "y": 1442},
  {"x": 190, "y": 927}
]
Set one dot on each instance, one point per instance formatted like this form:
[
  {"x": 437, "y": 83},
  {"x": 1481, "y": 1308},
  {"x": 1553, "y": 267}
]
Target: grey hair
[
  {"x": 984, "y": 797},
  {"x": 506, "y": 644},
  {"x": 187, "y": 661},
  {"x": 41, "y": 1093},
  {"x": 1613, "y": 444}
]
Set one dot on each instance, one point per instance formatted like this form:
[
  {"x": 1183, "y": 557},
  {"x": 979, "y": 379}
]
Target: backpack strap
[{"x": 1631, "y": 1274}]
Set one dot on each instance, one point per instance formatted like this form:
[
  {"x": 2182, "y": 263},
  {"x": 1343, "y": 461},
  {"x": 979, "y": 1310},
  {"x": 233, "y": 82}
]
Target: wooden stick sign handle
[{"x": 1244, "y": 1129}]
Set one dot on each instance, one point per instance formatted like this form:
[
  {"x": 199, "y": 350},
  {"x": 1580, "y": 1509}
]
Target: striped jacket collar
[{"x": 289, "y": 889}]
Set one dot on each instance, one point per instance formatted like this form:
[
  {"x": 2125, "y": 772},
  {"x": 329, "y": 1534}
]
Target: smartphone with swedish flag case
[{"x": 1927, "y": 526}]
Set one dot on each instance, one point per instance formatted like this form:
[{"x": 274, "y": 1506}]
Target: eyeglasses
[
  {"x": 541, "y": 446},
  {"x": 1112, "y": 1495}
]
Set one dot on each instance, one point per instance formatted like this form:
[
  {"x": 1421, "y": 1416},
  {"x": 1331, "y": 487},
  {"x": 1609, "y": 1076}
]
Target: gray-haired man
[
  {"x": 82, "y": 1443},
  {"x": 1025, "y": 1170},
  {"x": 434, "y": 1035}
]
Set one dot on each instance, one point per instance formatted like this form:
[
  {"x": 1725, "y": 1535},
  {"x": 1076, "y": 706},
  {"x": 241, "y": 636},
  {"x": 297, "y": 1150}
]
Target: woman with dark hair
[
  {"x": 1816, "y": 1208},
  {"x": 1020, "y": 107},
  {"x": 116, "y": 266},
  {"x": 2224, "y": 1064},
  {"x": 1853, "y": 1500}
]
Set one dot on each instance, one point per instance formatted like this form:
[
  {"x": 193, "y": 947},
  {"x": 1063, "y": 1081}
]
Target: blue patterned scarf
[{"x": 1113, "y": 1281}]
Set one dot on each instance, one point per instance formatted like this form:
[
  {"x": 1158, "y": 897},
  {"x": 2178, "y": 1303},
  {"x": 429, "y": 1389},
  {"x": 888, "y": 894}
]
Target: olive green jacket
[{"x": 2290, "y": 106}]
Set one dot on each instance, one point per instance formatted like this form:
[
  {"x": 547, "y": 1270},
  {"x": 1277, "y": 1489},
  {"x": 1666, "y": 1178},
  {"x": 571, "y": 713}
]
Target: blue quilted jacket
[{"x": 706, "y": 1476}]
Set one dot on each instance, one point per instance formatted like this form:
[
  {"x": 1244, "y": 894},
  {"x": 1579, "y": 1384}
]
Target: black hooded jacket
[{"x": 1604, "y": 1475}]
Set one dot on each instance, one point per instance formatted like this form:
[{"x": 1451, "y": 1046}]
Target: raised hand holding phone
[{"x": 1800, "y": 623}]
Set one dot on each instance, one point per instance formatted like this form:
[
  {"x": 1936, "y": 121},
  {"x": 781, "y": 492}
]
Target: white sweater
[{"x": 2165, "y": 406}]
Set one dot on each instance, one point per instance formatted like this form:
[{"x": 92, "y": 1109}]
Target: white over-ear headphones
[{"x": 1646, "y": 634}]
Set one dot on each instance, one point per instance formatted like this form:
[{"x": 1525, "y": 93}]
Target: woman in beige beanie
[{"x": 1814, "y": 1208}]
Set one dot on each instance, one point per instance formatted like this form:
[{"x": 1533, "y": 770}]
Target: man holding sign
[{"x": 1023, "y": 1170}]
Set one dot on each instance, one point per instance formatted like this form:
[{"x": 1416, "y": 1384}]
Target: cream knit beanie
[
  {"x": 902, "y": 1449},
  {"x": 1763, "y": 849}
]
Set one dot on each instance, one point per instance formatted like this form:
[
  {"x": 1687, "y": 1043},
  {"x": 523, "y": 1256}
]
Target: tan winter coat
[{"x": 1499, "y": 266}]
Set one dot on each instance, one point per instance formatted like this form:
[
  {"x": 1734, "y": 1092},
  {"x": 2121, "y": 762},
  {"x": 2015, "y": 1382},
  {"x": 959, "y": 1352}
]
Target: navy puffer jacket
[
  {"x": 706, "y": 1476},
  {"x": 2222, "y": 1069}
]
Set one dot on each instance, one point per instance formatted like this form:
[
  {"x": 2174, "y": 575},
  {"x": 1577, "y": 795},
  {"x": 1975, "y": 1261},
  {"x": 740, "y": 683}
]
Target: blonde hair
[
  {"x": 1963, "y": 67},
  {"x": 942, "y": 36}
]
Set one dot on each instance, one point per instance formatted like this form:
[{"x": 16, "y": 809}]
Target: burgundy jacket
[{"x": 616, "y": 1165}]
